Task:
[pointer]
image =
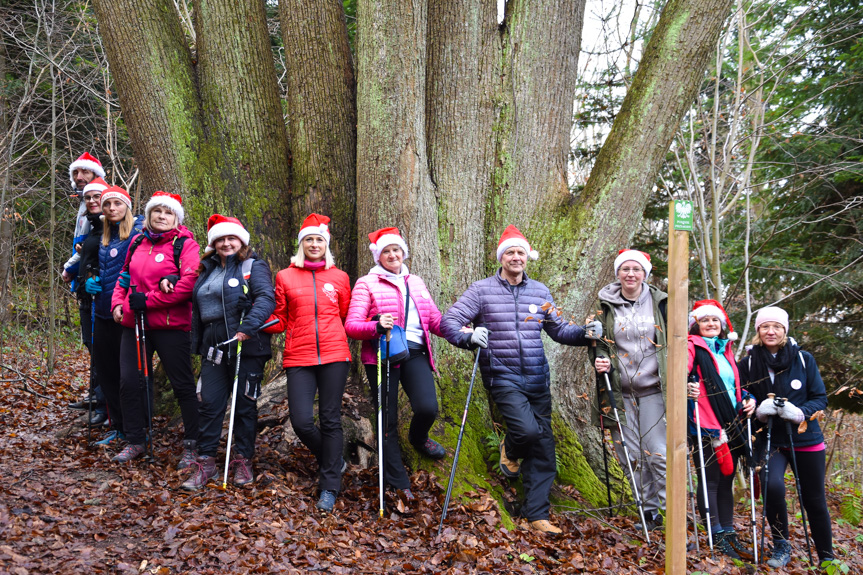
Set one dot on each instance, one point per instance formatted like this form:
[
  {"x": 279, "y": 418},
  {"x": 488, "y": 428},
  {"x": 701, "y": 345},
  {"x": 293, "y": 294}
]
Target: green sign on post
[{"x": 682, "y": 216}]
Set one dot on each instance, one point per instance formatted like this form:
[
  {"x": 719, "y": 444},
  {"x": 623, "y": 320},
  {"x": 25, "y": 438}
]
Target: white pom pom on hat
[{"x": 512, "y": 237}]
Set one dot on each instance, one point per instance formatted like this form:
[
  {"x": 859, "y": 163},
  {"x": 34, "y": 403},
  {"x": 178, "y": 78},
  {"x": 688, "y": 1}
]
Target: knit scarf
[
  {"x": 762, "y": 360},
  {"x": 314, "y": 266}
]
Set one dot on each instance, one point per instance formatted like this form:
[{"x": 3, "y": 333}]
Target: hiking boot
[
  {"x": 82, "y": 405},
  {"x": 738, "y": 545},
  {"x": 327, "y": 501},
  {"x": 781, "y": 554},
  {"x": 653, "y": 521},
  {"x": 98, "y": 418},
  {"x": 508, "y": 467},
  {"x": 204, "y": 469},
  {"x": 243, "y": 474},
  {"x": 431, "y": 448},
  {"x": 129, "y": 453},
  {"x": 190, "y": 454},
  {"x": 722, "y": 543},
  {"x": 112, "y": 436},
  {"x": 544, "y": 526}
]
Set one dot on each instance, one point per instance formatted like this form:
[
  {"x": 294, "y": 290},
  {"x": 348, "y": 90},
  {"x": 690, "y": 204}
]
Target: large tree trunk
[
  {"x": 322, "y": 119},
  {"x": 151, "y": 66},
  {"x": 243, "y": 117}
]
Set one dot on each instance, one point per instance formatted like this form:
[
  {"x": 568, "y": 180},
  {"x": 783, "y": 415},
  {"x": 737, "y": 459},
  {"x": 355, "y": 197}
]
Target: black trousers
[
  {"x": 174, "y": 349},
  {"x": 811, "y": 467},
  {"x": 416, "y": 378},
  {"x": 720, "y": 494},
  {"x": 326, "y": 440},
  {"x": 529, "y": 437},
  {"x": 215, "y": 386},
  {"x": 106, "y": 364}
]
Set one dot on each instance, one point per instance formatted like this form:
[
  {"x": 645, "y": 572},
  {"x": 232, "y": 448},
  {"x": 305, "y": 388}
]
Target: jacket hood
[
  {"x": 613, "y": 294},
  {"x": 379, "y": 270}
]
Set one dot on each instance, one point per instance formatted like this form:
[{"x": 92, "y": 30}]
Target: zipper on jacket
[
  {"x": 518, "y": 334},
  {"x": 224, "y": 311},
  {"x": 317, "y": 337}
]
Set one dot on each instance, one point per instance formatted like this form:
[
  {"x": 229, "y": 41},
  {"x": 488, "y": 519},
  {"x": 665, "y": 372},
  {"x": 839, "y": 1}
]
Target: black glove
[
  {"x": 138, "y": 301},
  {"x": 172, "y": 279},
  {"x": 244, "y": 303}
]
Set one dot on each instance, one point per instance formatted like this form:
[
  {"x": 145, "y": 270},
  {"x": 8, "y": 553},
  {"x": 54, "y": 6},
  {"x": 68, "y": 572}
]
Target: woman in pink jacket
[
  {"x": 389, "y": 295},
  {"x": 161, "y": 265}
]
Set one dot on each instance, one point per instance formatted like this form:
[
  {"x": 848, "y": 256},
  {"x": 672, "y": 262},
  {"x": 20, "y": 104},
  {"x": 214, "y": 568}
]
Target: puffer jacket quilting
[
  {"x": 149, "y": 263},
  {"x": 112, "y": 258},
  {"x": 515, "y": 320},
  {"x": 374, "y": 294},
  {"x": 260, "y": 285}
]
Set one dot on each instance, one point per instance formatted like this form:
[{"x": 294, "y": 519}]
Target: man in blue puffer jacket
[{"x": 509, "y": 312}]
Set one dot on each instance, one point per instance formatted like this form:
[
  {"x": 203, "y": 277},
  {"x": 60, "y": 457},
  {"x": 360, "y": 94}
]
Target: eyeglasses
[
  {"x": 92, "y": 198},
  {"x": 634, "y": 271}
]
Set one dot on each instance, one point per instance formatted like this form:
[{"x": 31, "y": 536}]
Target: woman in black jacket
[
  {"x": 232, "y": 282},
  {"x": 777, "y": 365}
]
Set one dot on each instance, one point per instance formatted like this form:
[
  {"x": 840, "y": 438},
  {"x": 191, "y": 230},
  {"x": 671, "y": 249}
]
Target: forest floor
[{"x": 65, "y": 508}]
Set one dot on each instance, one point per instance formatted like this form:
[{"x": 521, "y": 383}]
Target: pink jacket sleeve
[
  {"x": 357, "y": 324},
  {"x": 189, "y": 261},
  {"x": 119, "y": 295}
]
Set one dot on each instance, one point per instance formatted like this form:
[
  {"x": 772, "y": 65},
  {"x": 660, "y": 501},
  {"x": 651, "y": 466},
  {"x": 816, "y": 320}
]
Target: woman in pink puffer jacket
[{"x": 378, "y": 302}]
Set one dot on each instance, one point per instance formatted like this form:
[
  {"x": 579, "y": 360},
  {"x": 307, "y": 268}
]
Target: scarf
[
  {"x": 761, "y": 360},
  {"x": 314, "y": 266}
]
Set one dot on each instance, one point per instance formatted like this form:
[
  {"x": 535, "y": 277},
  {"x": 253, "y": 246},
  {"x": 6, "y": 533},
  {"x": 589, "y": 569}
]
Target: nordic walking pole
[
  {"x": 380, "y": 439},
  {"x": 752, "y": 491},
  {"x": 604, "y": 450},
  {"x": 234, "y": 398},
  {"x": 790, "y": 431},
  {"x": 692, "y": 498},
  {"x": 143, "y": 372},
  {"x": 703, "y": 475},
  {"x": 638, "y": 501},
  {"x": 764, "y": 472},
  {"x": 458, "y": 445},
  {"x": 92, "y": 348}
]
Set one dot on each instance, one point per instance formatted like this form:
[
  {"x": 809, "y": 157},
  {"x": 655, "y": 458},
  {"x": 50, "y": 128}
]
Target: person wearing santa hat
[
  {"x": 233, "y": 297},
  {"x": 508, "y": 312},
  {"x": 633, "y": 353},
  {"x": 119, "y": 226},
  {"x": 83, "y": 172},
  {"x": 388, "y": 295},
  {"x": 776, "y": 364},
  {"x": 162, "y": 265},
  {"x": 312, "y": 299},
  {"x": 722, "y": 406}
]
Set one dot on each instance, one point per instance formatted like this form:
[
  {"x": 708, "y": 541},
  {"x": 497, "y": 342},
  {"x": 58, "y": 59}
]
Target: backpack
[{"x": 177, "y": 242}]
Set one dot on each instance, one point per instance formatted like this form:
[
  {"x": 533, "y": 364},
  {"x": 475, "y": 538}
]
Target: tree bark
[{"x": 322, "y": 119}]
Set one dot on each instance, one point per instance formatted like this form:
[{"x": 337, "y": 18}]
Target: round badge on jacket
[
  {"x": 425, "y": 294},
  {"x": 328, "y": 287},
  {"x": 532, "y": 308},
  {"x": 796, "y": 384},
  {"x": 160, "y": 258},
  {"x": 113, "y": 252},
  {"x": 233, "y": 282}
]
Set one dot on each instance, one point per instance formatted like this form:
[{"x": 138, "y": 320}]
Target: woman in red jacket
[
  {"x": 312, "y": 299},
  {"x": 162, "y": 265}
]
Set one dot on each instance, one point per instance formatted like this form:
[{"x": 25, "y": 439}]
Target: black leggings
[
  {"x": 720, "y": 494},
  {"x": 811, "y": 465},
  {"x": 107, "y": 335},
  {"x": 417, "y": 379},
  {"x": 325, "y": 440}
]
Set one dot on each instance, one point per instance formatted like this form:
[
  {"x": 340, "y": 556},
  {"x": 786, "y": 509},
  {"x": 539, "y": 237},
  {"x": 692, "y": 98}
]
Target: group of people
[
  {"x": 143, "y": 287},
  {"x": 776, "y": 383}
]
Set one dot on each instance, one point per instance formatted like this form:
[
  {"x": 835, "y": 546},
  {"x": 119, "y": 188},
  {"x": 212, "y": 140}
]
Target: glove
[
  {"x": 791, "y": 412},
  {"x": 124, "y": 280},
  {"x": 138, "y": 301},
  {"x": 766, "y": 409},
  {"x": 479, "y": 338},
  {"x": 244, "y": 303},
  {"x": 93, "y": 285},
  {"x": 593, "y": 330},
  {"x": 172, "y": 279},
  {"x": 723, "y": 457}
]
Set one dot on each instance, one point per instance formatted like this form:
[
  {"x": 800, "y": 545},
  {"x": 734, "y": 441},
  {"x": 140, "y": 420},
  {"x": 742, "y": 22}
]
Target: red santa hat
[
  {"x": 386, "y": 237},
  {"x": 511, "y": 237},
  {"x": 629, "y": 255},
  {"x": 116, "y": 193},
  {"x": 219, "y": 226},
  {"x": 315, "y": 224},
  {"x": 86, "y": 162},
  {"x": 98, "y": 185},
  {"x": 712, "y": 308},
  {"x": 171, "y": 201}
]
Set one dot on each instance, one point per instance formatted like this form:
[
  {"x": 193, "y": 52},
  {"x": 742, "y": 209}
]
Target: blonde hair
[
  {"x": 127, "y": 224},
  {"x": 299, "y": 258},
  {"x": 756, "y": 340}
]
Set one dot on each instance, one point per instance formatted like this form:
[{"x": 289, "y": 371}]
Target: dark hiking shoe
[
  {"x": 129, "y": 453},
  {"x": 82, "y": 405},
  {"x": 508, "y": 467},
  {"x": 344, "y": 465},
  {"x": 327, "y": 501},
  {"x": 781, "y": 554},
  {"x": 431, "y": 448},
  {"x": 204, "y": 469},
  {"x": 190, "y": 454},
  {"x": 653, "y": 520},
  {"x": 722, "y": 543},
  {"x": 111, "y": 438},
  {"x": 243, "y": 474},
  {"x": 738, "y": 545},
  {"x": 98, "y": 418}
]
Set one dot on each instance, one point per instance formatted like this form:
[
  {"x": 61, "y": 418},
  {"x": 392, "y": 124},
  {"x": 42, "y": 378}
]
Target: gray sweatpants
[{"x": 645, "y": 438}]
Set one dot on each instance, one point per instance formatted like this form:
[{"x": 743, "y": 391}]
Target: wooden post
[{"x": 676, "y": 453}]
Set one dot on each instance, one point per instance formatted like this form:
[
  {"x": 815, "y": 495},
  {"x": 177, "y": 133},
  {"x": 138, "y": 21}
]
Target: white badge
[
  {"x": 328, "y": 287},
  {"x": 425, "y": 294},
  {"x": 532, "y": 308},
  {"x": 233, "y": 282},
  {"x": 160, "y": 258},
  {"x": 796, "y": 384},
  {"x": 113, "y": 252}
]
